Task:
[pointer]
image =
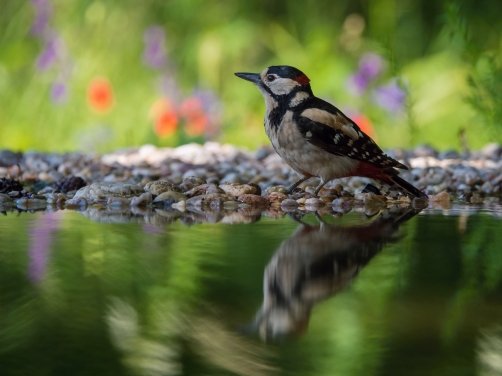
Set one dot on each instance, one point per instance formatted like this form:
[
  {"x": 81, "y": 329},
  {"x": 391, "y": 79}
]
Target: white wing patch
[
  {"x": 349, "y": 130},
  {"x": 334, "y": 121}
]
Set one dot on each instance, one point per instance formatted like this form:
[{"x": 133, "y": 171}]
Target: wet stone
[
  {"x": 161, "y": 186},
  {"x": 29, "y": 203},
  {"x": 166, "y": 203},
  {"x": 289, "y": 203},
  {"x": 176, "y": 196},
  {"x": 238, "y": 189},
  {"x": 119, "y": 201},
  {"x": 142, "y": 200},
  {"x": 53, "y": 198},
  {"x": 276, "y": 197},
  {"x": 5, "y": 198},
  {"x": 343, "y": 204},
  {"x": 442, "y": 196},
  {"x": 253, "y": 200},
  {"x": 278, "y": 188},
  {"x": 370, "y": 199},
  {"x": 191, "y": 182},
  {"x": 314, "y": 202},
  {"x": 105, "y": 190},
  {"x": 205, "y": 200},
  {"x": 76, "y": 202},
  {"x": 203, "y": 190}
]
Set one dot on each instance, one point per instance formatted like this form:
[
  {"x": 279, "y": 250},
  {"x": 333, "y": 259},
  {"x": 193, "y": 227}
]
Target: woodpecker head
[{"x": 278, "y": 82}]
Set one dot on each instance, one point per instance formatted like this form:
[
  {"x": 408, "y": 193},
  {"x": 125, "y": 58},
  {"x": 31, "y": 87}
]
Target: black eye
[{"x": 270, "y": 78}]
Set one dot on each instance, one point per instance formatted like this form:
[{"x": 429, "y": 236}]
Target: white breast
[{"x": 302, "y": 156}]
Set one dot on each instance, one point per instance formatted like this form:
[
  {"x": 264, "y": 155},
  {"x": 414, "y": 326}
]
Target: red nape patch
[{"x": 302, "y": 79}]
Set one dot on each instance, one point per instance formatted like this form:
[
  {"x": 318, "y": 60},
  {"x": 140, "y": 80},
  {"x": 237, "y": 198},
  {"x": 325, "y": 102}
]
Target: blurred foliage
[{"x": 166, "y": 69}]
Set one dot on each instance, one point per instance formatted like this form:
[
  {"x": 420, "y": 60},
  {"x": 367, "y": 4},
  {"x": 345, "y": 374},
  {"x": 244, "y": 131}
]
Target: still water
[{"x": 400, "y": 293}]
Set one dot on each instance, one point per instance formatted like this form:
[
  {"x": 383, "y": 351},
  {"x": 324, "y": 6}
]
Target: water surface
[{"x": 400, "y": 293}]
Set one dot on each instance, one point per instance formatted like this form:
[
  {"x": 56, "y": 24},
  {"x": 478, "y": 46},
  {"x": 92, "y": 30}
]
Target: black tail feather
[{"x": 410, "y": 188}]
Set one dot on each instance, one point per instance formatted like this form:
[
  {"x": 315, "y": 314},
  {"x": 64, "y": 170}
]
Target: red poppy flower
[
  {"x": 365, "y": 124},
  {"x": 196, "y": 125},
  {"x": 100, "y": 95},
  {"x": 191, "y": 106},
  {"x": 166, "y": 124}
]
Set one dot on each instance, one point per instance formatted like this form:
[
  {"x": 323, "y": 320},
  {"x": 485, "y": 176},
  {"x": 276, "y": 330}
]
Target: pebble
[
  {"x": 53, "y": 198},
  {"x": 176, "y": 196},
  {"x": 370, "y": 199},
  {"x": 31, "y": 203},
  {"x": 76, "y": 202},
  {"x": 278, "y": 188},
  {"x": 442, "y": 196},
  {"x": 119, "y": 201},
  {"x": 5, "y": 198},
  {"x": 314, "y": 202},
  {"x": 208, "y": 199},
  {"x": 180, "y": 205},
  {"x": 276, "y": 197},
  {"x": 105, "y": 190},
  {"x": 237, "y": 190},
  {"x": 142, "y": 200},
  {"x": 203, "y": 190},
  {"x": 253, "y": 200},
  {"x": 290, "y": 203},
  {"x": 191, "y": 182},
  {"x": 161, "y": 186}
]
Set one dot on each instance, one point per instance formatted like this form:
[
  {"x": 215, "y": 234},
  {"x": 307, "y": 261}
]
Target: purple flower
[
  {"x": 370, "y": 67},
  {"x": 40, "y": 244},
  {"x": 155, "y": 54},
  {"x": 59, "y": 92},
  {"x": 43, "y": 11},
  {"x": 48, "y": 56},
  {"x": 390, "y": 97}
]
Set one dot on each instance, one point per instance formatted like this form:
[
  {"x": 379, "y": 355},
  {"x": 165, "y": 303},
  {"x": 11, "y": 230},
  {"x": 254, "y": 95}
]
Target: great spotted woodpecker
[{"x": 314, "y": 137}]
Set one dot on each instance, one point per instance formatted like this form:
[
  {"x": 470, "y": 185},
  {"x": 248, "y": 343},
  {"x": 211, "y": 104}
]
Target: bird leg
[
  {"x": 319, "y": 187},
  {"x": 291, "y": 188}
]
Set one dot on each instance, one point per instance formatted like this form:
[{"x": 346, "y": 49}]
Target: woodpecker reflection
[{"x": 316, "y": 262}]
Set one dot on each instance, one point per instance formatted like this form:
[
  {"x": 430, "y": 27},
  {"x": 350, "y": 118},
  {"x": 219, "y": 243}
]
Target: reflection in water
[
  {"x": 162, "y": 217},
  {"x": 315, "y": 263},
  {"x": 489, "y": 352},
  {"x": 156, "y": 348},
  {"x": 41, "y": 235}
]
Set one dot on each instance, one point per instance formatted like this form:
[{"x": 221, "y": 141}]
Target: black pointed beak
[{"x": 252, "y": 77}]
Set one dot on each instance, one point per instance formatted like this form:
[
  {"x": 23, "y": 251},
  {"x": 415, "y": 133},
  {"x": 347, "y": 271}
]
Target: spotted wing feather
[{"x": 328, "y": 128}]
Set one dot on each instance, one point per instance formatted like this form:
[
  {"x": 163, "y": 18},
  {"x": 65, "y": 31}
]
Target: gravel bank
[{"x": 224, "y": 178}]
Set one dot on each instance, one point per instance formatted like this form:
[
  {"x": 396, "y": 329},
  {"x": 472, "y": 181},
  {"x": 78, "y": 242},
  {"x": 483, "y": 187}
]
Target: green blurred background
[{"x": 99, "y": 75}]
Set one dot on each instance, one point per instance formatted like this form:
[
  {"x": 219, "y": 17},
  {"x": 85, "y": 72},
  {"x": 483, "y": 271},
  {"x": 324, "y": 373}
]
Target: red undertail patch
[
  {"x": 371, "y": 171},
  {"x": 302, "y": 79}
]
